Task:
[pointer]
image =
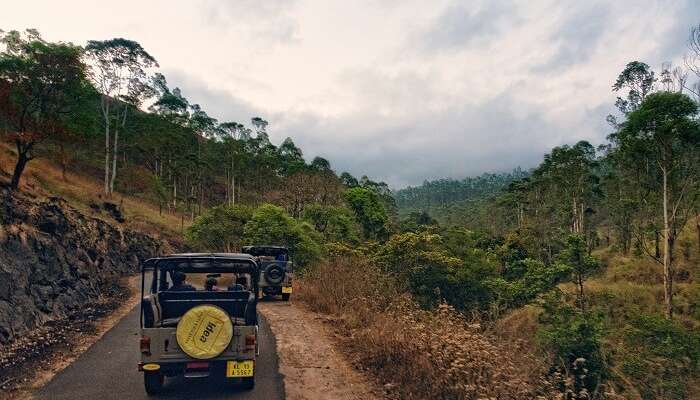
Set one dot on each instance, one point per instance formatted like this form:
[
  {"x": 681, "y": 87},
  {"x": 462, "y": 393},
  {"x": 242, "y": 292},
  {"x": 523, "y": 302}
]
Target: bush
[
  {"x": 660, "y": 356},
  {"x": 270, "y": 225},
  {"x": 219, "y": 229},
  {"x": 574, "y": 337},
  {"x": 369, "y": 211},
  {"x": 336, "y": 224},
  {"x": 417, "y": 353}
]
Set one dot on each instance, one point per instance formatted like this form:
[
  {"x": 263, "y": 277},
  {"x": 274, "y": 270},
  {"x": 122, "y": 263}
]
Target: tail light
[
  {"x": 250, "y": 341},
  {"x": 145, "y": 344}
]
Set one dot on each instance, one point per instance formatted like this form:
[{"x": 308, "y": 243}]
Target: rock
[{"x": 53, "y": 259}]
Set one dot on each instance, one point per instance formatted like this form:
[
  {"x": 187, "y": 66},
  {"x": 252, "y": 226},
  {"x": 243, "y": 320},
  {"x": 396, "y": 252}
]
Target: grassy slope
[
  {"x": 627, "y": 286},
  {"x": 44, "y": 178}
]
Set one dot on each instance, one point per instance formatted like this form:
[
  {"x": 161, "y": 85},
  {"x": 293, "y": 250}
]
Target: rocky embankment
[{"x": 55, "y": 260}]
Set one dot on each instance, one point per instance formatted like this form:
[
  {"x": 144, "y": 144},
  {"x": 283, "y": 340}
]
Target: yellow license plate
[
  {"x": 239, "y": 369},
  {"x": 286, "y": 289}
]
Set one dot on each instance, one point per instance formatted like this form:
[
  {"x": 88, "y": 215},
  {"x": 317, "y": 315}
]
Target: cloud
[
  {"x": 268, "y": 22},
  {"x": 464, "y": 24},
  {"x": 398, "y": 90},
  {"x": 579, "y": 34}
]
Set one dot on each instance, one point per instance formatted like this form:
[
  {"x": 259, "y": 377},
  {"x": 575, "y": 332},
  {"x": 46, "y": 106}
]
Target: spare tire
[
  {"x": 204, "y": 332},
  {"x": 274, "y": 274}
]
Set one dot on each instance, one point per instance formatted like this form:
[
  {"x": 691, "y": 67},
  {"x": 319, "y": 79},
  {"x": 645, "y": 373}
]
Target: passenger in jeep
[
  {"x": 179, "y": 284},
  {"x": 211, "y": 285},
  {"x": 241, "y": 285}
]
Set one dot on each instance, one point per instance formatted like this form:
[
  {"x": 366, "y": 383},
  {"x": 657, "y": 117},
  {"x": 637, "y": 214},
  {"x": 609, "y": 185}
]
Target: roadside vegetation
[{"x": 578, "y": 279}]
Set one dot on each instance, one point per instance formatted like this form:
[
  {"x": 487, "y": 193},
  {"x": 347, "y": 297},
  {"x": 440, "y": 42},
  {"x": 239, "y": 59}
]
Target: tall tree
[
  {"x": 39, "y": 83},
  {"x": 664, "y": 133},
  {"x": 118, "y": 69}
]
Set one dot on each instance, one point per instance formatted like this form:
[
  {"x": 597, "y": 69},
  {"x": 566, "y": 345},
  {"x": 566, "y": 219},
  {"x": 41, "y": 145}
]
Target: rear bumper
[{"x": 191, "y": 368}]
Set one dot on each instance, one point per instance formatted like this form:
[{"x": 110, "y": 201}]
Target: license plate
[
  {"x": 239, "y": 369},
  {"x": 286, "y": 289}
]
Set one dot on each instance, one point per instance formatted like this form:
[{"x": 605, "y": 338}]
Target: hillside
[{"x": 451, "y": 201}]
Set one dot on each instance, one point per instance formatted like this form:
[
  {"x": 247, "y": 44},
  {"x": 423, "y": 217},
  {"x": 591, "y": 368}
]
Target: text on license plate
[
  {"x": 239, "y": 369},
  {"x": 286, "y": 289}
]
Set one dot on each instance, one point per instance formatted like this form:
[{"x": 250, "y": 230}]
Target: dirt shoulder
[
  {"x": 55, "y": 346},
  {"x": 312, "y": 366}
]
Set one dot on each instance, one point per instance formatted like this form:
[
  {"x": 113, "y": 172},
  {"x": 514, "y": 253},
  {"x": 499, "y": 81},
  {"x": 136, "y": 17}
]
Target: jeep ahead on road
[
  {"x": 199, "y": 318},
  {"x": 276, "y": 270}
]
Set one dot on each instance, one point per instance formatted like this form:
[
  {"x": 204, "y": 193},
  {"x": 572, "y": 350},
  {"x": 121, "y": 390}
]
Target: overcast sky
[{"x": 401, "y": 91}]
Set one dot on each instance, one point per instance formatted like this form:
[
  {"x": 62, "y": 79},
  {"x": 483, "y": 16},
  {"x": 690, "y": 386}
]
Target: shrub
[
  {"x": 369, "y": 211},
  {"x": 219, "y": 229},
  {"x": 660, "y": 355},
  {"x": 574, "y": 337},
  {"x": 335, "y": 223},
  {"x": 270, "y": 225},
  {"x": 418, "y": 353}
]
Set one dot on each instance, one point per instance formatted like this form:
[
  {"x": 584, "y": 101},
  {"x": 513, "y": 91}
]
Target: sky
[{"x": 401, "y": 91}]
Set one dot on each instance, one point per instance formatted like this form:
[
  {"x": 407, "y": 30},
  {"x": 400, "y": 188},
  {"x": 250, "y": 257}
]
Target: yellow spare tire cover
[{"x": 204, "y": 332}]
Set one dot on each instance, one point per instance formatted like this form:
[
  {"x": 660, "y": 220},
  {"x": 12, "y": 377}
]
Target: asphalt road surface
[{"x": 108, "y": 370}]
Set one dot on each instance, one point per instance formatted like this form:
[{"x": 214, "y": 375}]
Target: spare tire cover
[
  {"x": 274, "y": 274},
  {"x": 204, "y": 332}
]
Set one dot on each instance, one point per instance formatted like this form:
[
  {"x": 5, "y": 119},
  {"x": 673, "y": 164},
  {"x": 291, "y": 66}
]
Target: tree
[
  {"x": 369, "y": 211},
  {"x": 576, "y": 258},
  {"x": 664, "y": 134},
  {"x": 639, "y": 80},
  {"x": 348, "y": 180},
  {"x": 335, "y": 223},
  {"x": 118, "y": 71},
  {"x": 270, "y": 225},
  {"x": 39, "y": 84},
  {"x": 320, "y": 164},
  {"x": 219, "y": 229}
]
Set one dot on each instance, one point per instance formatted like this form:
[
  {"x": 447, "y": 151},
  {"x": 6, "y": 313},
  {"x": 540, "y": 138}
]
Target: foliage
[
  {"x": 417, "y": 220},
  {"x": 574, "y": 337},
  {"x": 451, "y": 201},
  {"x": 270, "y": 225},
  {"x": 660, "y": 355},
  {"x": 416, "y": 353},
  {"x": 369, "y": 211},
  {"x": 40, "y": 82},
  {"x": 336, "y": 224},
  {"x": 221, "y": 228}
]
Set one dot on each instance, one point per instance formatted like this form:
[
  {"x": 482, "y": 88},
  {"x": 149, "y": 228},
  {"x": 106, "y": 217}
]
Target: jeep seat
[{"x": 240, "y": 306}]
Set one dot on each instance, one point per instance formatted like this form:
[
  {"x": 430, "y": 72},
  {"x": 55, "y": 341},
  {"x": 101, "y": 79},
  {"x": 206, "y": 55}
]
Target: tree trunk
[
  {"x": 697, "y": 228},
  {"x": 668, "y": 278},
  {"x": 116, "y": 148},
  {"x": 105, "y": 114},
  {"x": 114, "y": 160},
  {"x": 657, "y": 247},
  {"x": 22, "y": 160}
]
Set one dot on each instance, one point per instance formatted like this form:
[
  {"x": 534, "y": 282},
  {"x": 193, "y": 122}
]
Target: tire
[
  {"x": 248, "y": 383},
  {"x": 285, "y": 296},
  {"x": 274, "y": 274},
  {"x": 153, "y": 382}
]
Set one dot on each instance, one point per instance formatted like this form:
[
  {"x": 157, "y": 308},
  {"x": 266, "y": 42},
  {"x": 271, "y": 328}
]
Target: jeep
[
  {"x": 199, "y": 318},
  {"x": 276, "y": 270}
]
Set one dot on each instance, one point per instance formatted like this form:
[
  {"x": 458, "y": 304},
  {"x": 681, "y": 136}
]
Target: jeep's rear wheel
[
  {"x": 153, "y": 382},
  {"x": 285, "y": 296},
  {"x": 248, "y": 383}
]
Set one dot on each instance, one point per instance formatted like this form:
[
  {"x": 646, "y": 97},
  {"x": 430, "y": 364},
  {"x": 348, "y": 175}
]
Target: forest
[{"x": 576, "y": 279}]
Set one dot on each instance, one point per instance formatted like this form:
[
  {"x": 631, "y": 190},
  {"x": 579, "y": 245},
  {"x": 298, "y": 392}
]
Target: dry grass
[
  {"x": 43, "y": 177},
  {"x": 419, "y": 354}
]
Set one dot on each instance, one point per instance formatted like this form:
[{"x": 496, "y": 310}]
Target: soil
[
  {"x": 30, "y": 362},
  {"x": 312, "y": 366}
]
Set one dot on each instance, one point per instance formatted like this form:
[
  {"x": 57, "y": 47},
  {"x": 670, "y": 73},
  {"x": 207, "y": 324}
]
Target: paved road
[{"x": 108, "y": 371}]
